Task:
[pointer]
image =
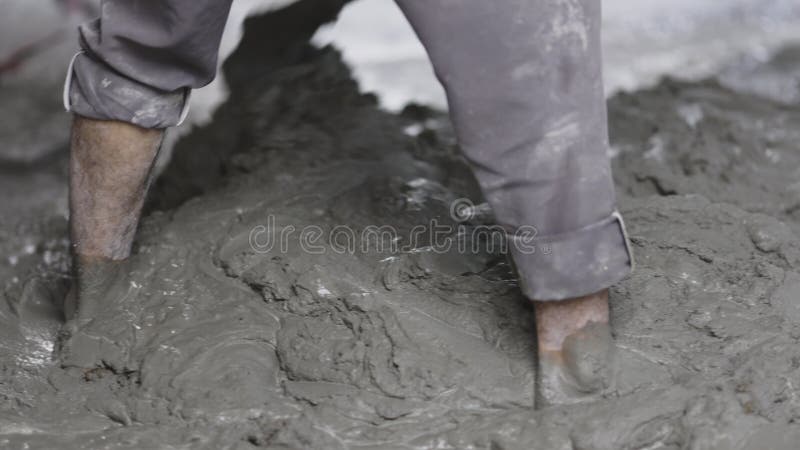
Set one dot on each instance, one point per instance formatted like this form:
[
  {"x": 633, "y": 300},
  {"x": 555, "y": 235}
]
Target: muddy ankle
[
  {"x": 71, "y": 302},
  {"x": 589, "y": 356},
  {"x": 84, "y": 341},
  {"x": 555, "y": 320},
  {"x": 582, "y": 370},
  {"x": 94, "y": 281}
]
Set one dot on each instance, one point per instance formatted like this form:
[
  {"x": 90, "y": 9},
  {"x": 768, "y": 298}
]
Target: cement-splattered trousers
[{"x": 524, "y": 87}]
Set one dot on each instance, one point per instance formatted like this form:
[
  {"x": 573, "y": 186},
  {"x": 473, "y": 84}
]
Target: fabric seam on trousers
[
  {"x": 68, "y": 82},
  {"x": 615, "y": 215},
  {"x": 187, "y": 96}
]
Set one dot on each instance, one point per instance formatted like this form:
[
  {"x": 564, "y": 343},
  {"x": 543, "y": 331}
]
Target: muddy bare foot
[
  {"x": 576, "y": 350},
  {"x": 583, "y": 370},
  {"x": 83, "y": 342}
]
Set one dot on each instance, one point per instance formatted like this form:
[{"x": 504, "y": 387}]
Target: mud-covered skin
[
  {"x": 110, "y": 168},
  {"x": 575, "y": 350},
  {"x": 218, "y": 346},
  {"x": 582, "y": 371},
  {"x": 94, "y": 288}
]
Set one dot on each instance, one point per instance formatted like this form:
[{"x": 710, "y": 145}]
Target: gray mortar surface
[{"x": 208, "y": 343}]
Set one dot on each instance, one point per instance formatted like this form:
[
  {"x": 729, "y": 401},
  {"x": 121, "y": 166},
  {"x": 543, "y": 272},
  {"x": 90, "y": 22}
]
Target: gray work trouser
[{"x": 525, "y": 92}]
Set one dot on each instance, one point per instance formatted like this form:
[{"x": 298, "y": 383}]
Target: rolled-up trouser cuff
[
  {"x": 572, "y": 264},
  {"x": 95, "y": 90}
]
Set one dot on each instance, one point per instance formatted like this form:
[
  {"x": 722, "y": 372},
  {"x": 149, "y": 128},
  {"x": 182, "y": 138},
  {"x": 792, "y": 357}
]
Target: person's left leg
[
  {"x": 129, "y": 83},
  {"x": 524, "y": 87},
  {"x": 111, "y": 164}
]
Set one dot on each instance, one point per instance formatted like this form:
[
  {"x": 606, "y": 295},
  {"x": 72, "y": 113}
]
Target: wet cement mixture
[{"x": 212, "y": 341}]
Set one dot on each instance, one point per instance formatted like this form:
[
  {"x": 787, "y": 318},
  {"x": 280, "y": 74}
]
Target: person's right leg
[
  {"x": 524, "y": 87},
  {"x": 575, "y": 347}
]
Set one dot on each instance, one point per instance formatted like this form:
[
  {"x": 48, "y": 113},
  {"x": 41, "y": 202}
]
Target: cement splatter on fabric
[{"x": 215, "y": 340}]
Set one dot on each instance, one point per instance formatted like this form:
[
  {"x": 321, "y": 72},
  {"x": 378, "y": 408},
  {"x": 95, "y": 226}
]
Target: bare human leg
[
  {"x": 136, "y": 65},
  {"x": 525, "y": 93},
  {"x": 111, "y": 164},
  {"x": 110, "y": 167},
  {"x": 576, "y": 349}
]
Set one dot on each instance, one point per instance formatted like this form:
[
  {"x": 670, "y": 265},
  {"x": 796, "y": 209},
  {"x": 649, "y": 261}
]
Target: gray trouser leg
[
  {"x": 524, "y": 86},
  {"x": 141, "y": 57}
]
